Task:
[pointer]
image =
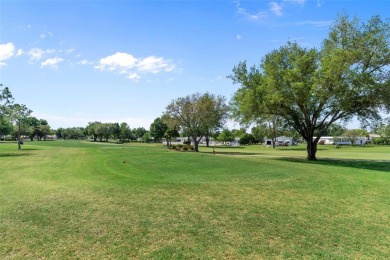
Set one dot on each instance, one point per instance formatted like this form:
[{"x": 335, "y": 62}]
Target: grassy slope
[{"x": 70, "y": 199}]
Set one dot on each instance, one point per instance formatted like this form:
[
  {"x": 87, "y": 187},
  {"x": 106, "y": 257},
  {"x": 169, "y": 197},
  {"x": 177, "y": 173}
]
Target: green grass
[{"x": 68, "y": 199}]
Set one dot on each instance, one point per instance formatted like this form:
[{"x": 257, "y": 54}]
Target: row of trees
[{"x": 103, "y": 131}]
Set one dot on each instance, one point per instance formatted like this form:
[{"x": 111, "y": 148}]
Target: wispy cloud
[
  {"x": 35, "y": 54},
  {"x": 251, "y": 16},
  {"x": 125, "y": 63},
  {"x": 314, "y": 23},
  {"x": 276, "y": 8},
  {"x": 300, "y": 2},
  {"x": 52, "y": 62},
  {"x": 84, "y": 62},
  {"x": 6, "y": 52}
]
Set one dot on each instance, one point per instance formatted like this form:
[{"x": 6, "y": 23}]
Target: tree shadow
[
  {"x": 218, "y": 152},
  {"x": 13, "y": 154},
  {"x": 375, "y": 165},
  {"x": 224, "y": 147}
]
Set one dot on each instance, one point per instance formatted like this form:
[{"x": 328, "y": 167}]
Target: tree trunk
[
  {"x": 311, "y": 150},
  {"x": 19, "y": 145},
  {"x": 196, "y": 144},
  {"x": 207, "y": 141}
]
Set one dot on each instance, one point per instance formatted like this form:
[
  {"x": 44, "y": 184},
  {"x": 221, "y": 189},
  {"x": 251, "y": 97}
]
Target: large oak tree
[{"x": 313, "y": 88}]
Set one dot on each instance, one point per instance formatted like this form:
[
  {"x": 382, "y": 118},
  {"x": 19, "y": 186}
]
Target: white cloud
[
  {"x": 125, "y": 63},
  {"x": 6, "y": 52},
  {"x": 119, "y": 61},
  {"x": 134, "y": 76},
  {"x": 239, "y": 37},
  {"x": 19, "y": 52},
  {"x": 52, "y": 62},
  {"x": 154, "y": 64},
  {"x": 276, "y": 8},
  {"x": 35, "y": 54}
]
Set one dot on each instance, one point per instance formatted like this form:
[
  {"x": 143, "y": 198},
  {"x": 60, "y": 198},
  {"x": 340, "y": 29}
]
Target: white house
[
  {"x": 280, "y": 141},
  {"x": 342, "y": 140},
  {"x": 346, "y": 141}
]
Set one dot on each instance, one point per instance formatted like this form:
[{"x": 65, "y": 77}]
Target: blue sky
[{"x": 73, "y": 62}]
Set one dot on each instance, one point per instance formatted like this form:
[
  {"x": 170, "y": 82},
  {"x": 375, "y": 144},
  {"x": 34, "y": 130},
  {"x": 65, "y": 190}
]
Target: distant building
[
  {"x": 342, "y": 140},
  {"x": 280, "y": 141}
]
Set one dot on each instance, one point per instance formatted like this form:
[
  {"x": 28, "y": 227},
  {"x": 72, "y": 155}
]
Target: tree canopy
[
  {"x": 313, "y": 88},
  {"x": 197, "y": 114}
]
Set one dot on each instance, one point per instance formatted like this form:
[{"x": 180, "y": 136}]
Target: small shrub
[
  {"x": 185, "y": 148},
  {"x": 187, "y": 142},
  {"x": 191, "y": 147},
  {"x": 173, "y": 147},
  {"x": 180, "y": 146}
]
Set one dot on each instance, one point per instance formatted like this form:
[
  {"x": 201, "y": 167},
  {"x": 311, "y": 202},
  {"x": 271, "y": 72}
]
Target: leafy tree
[
  {"x": 238, "y": 132},
  {"x": 138, "y": 132},
  {"x": 91, "y": 129},
  {"x": 311, "y": 89},
  {"x": 197, "y": 114},
  {"x": 225, "y": 136},
  {"x": 6, "y": 101},
  {"x": 125, "y": 132},
  {"x": 103, "y": 130},
  {"x": 158, "y": 129},
  {"x": 115, "y": 130},
  {"x": 259, "y": 132},
  {"x": 384, "y": 131},
  {"x": 19, "y": 113},
  {"x": 247, "y": 139},
  {"x": 169, "y": 134},
  {"x": 147, "y": 137},
  {"x": 5, "y": 127}
]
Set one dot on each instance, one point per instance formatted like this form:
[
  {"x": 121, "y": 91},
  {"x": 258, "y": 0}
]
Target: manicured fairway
[{"x": 71, "y": 199}]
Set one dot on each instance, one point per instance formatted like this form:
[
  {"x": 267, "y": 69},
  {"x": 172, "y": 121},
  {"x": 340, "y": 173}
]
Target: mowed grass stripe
[{"x": 81, "y": 200}]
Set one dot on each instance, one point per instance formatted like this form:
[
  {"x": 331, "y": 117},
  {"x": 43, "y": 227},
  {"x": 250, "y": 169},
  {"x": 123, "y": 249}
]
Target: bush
[
  {"x": 187, "y": 142},
  {"x": 185, "y": 148},
  {"x": 381, "y": 141},
  {"x": 191, "y": 147},
  {"x": 247, "y": 139}
]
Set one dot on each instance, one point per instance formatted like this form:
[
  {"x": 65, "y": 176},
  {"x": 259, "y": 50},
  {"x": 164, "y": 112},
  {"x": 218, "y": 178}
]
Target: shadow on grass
[
  {"x": 13, "y": 154},
  {"x": 223, "y": 147},
  {"x": 383, "y": 166}
]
